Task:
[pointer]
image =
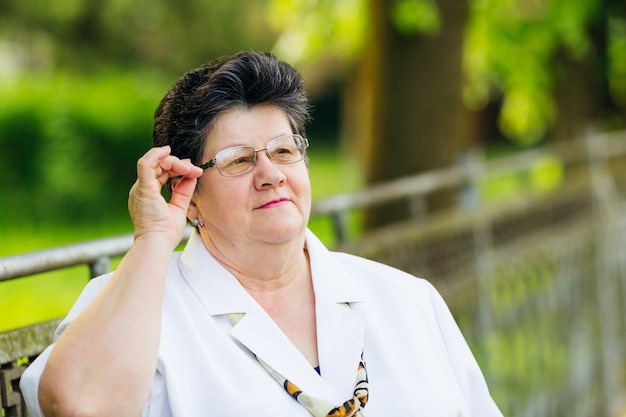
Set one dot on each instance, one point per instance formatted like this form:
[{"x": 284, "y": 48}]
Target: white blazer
[{"x": 417, "y": 360}]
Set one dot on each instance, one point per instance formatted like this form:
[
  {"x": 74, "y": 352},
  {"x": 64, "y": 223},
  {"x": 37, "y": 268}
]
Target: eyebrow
[{"x": 239, "y": 144}]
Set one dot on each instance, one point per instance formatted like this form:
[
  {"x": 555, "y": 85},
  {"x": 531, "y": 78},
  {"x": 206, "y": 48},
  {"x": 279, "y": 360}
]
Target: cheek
[
  {"x": 305, "y": 180},
  {"x": 302, "y": 184},
  {"x": 208, "y": 198},
  {"x": 225, "y": 199}
]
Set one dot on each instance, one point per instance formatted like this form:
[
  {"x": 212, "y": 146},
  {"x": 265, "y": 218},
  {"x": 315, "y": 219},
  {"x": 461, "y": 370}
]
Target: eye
[
  {"x": 234, "y": 157},
  {"x": 240, "y": 160},
  {"x": 284, "y": 151},
  {"x": 285, "y": 154}
]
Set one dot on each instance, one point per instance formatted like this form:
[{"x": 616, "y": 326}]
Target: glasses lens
[
  {"x": 286, "y": 149},
  {"x": 238, "y": 160},
  {"x": 235, "y": 161}
]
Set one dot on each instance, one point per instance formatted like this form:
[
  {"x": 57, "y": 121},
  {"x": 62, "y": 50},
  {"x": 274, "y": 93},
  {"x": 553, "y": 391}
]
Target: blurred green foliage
[
  {"x": 512, "y": 49},
  {"x": 68, "y": 145},
  {"x": 512, "y": 46},
  {"x": 89, "y": 35},
  {"x": 312, "y": 34},
  {"x": 71, "y": 128},
  {"x": 617, "y": 59},
  {"x": 416, "y": 16}
]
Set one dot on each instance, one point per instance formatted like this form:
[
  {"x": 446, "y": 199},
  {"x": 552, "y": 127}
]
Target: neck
[
  {"x": 262, "y": 268},
  {"x": 278, "y": 277}
]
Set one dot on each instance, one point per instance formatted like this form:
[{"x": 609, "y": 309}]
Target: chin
[{"x": 281, "y": 234}]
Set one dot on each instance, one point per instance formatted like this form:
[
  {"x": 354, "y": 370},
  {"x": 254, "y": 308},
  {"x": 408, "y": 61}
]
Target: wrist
[{"x": 156, "y": 243}]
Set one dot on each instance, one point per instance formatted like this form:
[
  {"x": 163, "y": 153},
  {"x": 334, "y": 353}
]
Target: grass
[{"x": 48, "y": 295}]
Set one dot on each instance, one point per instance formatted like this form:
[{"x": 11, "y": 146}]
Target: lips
[{"x": 274, "y": 203}]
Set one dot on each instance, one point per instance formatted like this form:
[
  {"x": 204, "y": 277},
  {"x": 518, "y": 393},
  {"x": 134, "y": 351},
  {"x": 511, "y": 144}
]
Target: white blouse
[{"x": 417, "y": 360}]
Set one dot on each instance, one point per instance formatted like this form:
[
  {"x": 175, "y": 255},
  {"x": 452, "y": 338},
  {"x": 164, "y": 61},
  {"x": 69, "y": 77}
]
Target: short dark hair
[{"x": 246, "y": 79}]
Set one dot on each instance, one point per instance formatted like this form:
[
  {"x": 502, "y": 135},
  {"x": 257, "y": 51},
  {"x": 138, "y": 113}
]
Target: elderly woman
[{"x": 255, "y": 317}]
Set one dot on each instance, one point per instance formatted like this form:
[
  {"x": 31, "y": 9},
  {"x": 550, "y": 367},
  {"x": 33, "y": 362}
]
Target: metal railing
[{"x": 536, "y": 280}]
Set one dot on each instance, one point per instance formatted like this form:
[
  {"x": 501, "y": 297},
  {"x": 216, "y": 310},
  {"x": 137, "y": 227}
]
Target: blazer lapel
[
  {"x": 340, "y": 335},
  {"x": 258, "y": 332},
  {"x": 340, "y": 329},
  {"x": 340, "y": 344}
]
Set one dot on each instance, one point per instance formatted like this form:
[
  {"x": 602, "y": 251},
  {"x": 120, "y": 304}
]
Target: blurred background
[{"x": 400, "y": 88}]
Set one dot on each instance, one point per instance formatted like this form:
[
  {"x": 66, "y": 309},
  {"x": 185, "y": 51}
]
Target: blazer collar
[
  {"x": 221, "y": 293},
  {"x": 340, "y": 329}
]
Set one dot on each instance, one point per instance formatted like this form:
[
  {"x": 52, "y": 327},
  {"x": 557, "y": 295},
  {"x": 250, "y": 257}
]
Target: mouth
[{"x": 274, "y": 203}]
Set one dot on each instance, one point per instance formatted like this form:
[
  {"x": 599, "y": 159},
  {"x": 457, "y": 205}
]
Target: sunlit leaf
[{"x": 411, "y": 17}]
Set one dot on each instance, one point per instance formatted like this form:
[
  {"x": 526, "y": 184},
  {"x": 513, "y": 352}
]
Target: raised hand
[{"x": 151, "y": 214}]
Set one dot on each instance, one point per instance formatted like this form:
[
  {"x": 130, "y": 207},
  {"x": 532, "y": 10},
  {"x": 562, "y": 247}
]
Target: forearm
[{"x": 104, "y": 362}]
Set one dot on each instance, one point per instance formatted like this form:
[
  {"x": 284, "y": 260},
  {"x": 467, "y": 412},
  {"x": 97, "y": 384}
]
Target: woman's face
[{"x": 271, "y": 203}]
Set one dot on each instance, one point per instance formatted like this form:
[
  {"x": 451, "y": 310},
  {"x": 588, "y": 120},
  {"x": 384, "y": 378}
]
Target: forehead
[{"x": 248, "y": 126}]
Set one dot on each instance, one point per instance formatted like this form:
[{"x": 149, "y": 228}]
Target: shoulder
[
  {"x": 392, "y": 292},
  {"x": 376, "y": 270},
  {"x": 95, "y": 287},
  {"x": 383, "y": 278}
]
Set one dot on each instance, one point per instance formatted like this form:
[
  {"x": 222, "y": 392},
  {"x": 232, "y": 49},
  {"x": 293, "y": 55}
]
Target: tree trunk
[
  {"x": 582, "y": 91},
  {"x": 410, "y": 89}
]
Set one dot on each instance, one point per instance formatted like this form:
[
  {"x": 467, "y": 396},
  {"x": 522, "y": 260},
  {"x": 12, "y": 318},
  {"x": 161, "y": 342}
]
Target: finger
[
  {"x": 176, "y": 167},
  {"x": 183, "y": 193},
  {"x": 160, "y": 164},
  {"x": 148, "y": 165}
]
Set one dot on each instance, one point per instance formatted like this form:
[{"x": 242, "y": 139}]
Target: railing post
[
  {"x": 10, "y": 397},
  {"x": 607, "y": 217},
  {"x": 99, "y": 267},
  {"x": 483, "y": 253},
  {"x": 417, "y": 206},
  {"x": 339, "y": 226},
  {"x": 469, "y": 194}
]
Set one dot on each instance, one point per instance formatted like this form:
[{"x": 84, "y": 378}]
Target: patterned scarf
[{"x": 319, "y": 407}]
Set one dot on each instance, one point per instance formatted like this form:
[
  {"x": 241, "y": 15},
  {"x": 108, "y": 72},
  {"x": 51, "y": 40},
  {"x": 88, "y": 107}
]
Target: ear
[
  {"x": 192, "y": 210},
  {"x": 174, "y": 182}
]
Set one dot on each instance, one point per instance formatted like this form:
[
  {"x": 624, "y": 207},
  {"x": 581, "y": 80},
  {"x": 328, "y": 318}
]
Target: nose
[{"x": 266, "y": 172}]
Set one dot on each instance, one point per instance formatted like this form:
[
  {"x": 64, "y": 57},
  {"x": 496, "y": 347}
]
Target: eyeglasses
[{"x": 283, "y": 150}]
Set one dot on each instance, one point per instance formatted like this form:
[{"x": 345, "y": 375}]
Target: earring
[{"x": 197, "y": 223}]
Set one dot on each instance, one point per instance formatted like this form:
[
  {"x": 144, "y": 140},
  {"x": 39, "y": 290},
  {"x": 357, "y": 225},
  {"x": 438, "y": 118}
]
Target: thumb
[{"x": 183, "y": 192}]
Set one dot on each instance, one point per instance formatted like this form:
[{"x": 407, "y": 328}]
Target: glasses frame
[{"x": 213, "y": 162}]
